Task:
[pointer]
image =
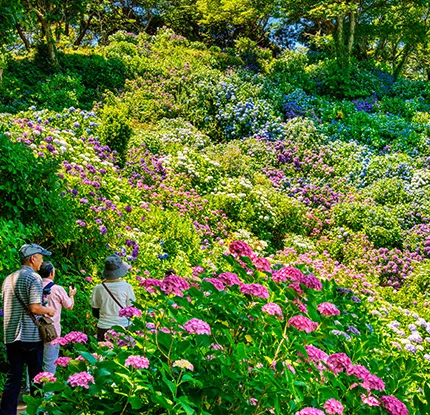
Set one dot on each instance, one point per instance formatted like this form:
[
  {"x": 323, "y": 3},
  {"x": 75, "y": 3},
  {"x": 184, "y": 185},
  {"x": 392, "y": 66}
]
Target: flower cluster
[
  {"x": 44, "y": 377},
  {"x": 138, "y": 362},
  {"x": 130, "y": 312},
  {"x": 82, "y": 379},
  {"x": 272, "y": 309},
  {"x": 183, "y": 364},
  {"x": 328, "y": 309},
  {"x": 303, "y": 323},
  {"x": 255, "y": 290},
  {"x": 196, "y": 326}
]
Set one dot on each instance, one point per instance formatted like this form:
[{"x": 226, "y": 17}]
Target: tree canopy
[{"x": 393, "y": 33}]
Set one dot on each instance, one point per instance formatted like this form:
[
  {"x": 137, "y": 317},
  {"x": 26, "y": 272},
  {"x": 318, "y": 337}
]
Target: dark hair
[
  {"x": 169, "y": 272},
  {"x": 45, "y": 269}
]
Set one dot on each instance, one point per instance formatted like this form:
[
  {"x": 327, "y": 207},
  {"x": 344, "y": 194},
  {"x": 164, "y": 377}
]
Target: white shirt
[{"x": 109, "y": 309}]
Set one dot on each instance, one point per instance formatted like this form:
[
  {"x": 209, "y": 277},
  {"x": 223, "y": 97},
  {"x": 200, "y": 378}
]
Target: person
[
  {"x": 113, "y": 294},
  {"x": 56, "y": 297},
  {"x": 21, "y": 335},
  {"x": 169, "y": 272}
]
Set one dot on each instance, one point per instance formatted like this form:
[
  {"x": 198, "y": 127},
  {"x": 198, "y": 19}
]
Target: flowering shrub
[
  {"x": 230, "y": 335},
  {"x": 325, "y": 202}
]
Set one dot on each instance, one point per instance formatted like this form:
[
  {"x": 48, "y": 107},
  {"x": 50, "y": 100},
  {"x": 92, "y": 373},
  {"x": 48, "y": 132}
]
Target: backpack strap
[
  {"x": 49, "y": 286},
  {"x": 113, "y": 297}
]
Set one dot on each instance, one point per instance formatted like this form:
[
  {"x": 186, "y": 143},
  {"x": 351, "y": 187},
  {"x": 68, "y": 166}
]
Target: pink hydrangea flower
[
  {"x": 130, "y": 312},
  {"x": 196, "y": 326},
  {"x": 262, "y": 264},
  {"x": 44, "y": 377},
  {"x": 394, "y": 406},
  {"x": 75, "y": 337},
  {"x": 198, "y": 270},
  {"x": 370, "y": 400},
  {"x": 174, "y": 284},
  {"x": 338, "y": 362},
  {"x": 240, "y": 248},
  {"x": 149, "y": 284},
  {"x": 59, "y": 340},
  {"x": 183, "y": 364},
  {"x": 138, "y": 362},
  {"x": 216, "y": 283},
  {"x": 107, "y": 344},
  {"x": 312, "y": 282},
  {"x": 272, "y": 309},
  {"x": 358, "y": 371},
  {"x": 296, "y": 287},
  {"x": 62, "y": 361},
  {"x": 287, "y": 273},
  {"x": 256, "y": 290},
  {"x": 328, "y": 309},
  {"x": 80, "y": 379},
  {"x": 310, "y": 411},
  {"x": 300, "y": 305},
  {"x": 315, "y": 354},
  {"x": 303, "y": 323},
  {"x": 372, "y": 382},
  {"x": 332, "y": 406},
  {"x": 228, "y": 278}
]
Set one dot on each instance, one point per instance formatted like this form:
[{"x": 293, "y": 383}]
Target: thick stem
[
  {"x": 22, "y": 36},
  {"x": 84, "y": 25},
  {"x": 340, "y": 46},
  {"x": 352, "y": 24},
  {"x": 399, "y": 68}
]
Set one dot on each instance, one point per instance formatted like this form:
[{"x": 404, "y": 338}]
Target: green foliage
[
  {"x": 252, "y": 55},
  {"x": 351, "y": 82},
  {"x": 30, "y": 191},
  {"x": 115, "y": 130},
  {"x": 13, "y": 234},
  {"x": 61, "y": 91},
  {"x": 291, "y": 69}
]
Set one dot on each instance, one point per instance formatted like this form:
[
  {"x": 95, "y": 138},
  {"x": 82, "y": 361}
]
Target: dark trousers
[
  {"x": 101, "y": 334},
  {"x": 18, "y": 354}
]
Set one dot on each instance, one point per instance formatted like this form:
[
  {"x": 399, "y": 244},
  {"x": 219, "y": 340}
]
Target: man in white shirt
[{"x": 113, "y": 294}]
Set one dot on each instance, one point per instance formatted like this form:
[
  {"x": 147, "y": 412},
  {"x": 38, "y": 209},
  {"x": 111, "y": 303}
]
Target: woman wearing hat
[{"x": 113, "y": 294}]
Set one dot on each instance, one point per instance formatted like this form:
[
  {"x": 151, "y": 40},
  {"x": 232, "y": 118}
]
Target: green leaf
[
  {"x": 170, "y": 385},
  {"x": 135, "y": 401},
  {"x": 88, "y": 356},
  {"x": 54, "y": 387},
  {"x": 184, "y": 402}
]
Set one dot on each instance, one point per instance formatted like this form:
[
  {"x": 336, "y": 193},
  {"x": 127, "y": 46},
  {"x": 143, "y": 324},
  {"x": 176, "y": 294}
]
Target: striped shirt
[{"x": 18, "y": 326}]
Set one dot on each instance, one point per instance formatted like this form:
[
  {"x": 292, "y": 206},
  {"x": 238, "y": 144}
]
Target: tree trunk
[
  {"x": 1, "y": 75},
  {"x": 379, "y": 48},
  {"x": 399, "y": 68},
  {"x": 352, "y": 24},
  {"x": 50, "y": 41},
  {"x": 339, "y": 41},
  {"x": 23, "y": 37},
  {"x": 83, "y": 27}
]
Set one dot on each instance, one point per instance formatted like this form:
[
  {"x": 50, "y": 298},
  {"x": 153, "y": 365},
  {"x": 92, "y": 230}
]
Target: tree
[{"x": 229, "y": 20}]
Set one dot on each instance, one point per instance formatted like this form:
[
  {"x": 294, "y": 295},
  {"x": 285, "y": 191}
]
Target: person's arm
[
  {"x": 40, "y": 309},
  {"x": 95, "y": 304},
  {"x": 72, "y": 293}
]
